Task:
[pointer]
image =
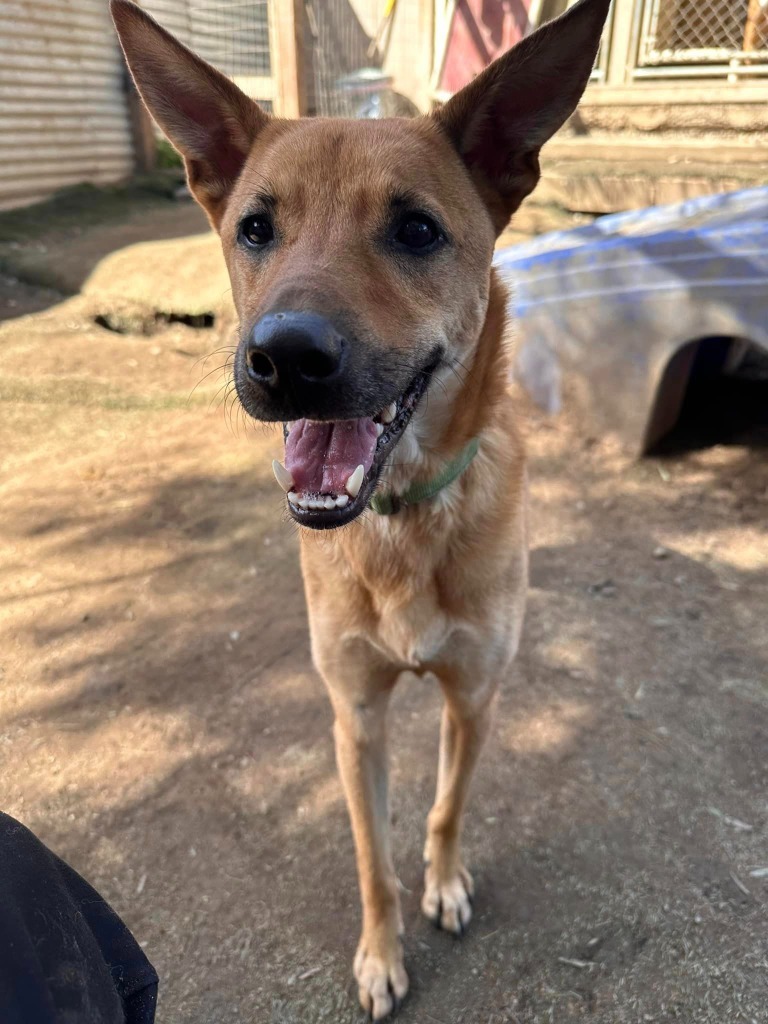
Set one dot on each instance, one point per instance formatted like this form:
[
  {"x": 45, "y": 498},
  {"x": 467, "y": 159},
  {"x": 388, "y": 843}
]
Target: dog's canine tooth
[
  {"x": 293, "y": 497},
  {"x": 342, "y": 500},
  {"x": 388, "y": 414},
  {"x": 355, "y": 481},
  {"x": 379, "y": 429},
  {"x": 282, "y": 475}
]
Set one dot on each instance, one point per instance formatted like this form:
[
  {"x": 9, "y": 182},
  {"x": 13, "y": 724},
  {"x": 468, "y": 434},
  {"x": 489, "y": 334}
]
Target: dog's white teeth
[
  {"x": 379, "y": 429},
  {"x": 282, "y": 475},
  {"x": 290, "y": 424},
  {"x": 388, "y": 414},
  {"x": 324, "y": 501},
  {"x": 355, "y": 481}
]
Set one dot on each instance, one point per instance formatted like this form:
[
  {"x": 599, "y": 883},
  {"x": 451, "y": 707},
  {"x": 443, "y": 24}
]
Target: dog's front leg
[
  {"x": 448, "y": 886},
  {"x": 360, "y": 734}
]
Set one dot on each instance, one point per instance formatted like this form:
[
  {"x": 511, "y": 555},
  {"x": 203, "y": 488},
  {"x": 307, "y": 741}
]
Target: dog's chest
[
  {"x": 395, "y": 591},
  {"x": 412, "y": 623},
  {"x": 413, "y": 632}
]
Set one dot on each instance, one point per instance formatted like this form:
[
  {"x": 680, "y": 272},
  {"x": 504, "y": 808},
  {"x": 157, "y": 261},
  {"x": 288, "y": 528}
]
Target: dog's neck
[
  {"x": 409, "y": 548},
  {"x": 463, "y": 400}
]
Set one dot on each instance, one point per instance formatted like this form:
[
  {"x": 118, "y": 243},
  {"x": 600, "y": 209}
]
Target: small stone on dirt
[{"x": 605, "y": 588}]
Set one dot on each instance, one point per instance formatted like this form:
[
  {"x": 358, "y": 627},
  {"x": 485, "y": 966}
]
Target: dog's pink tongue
[{"x": 321, "y": 457}]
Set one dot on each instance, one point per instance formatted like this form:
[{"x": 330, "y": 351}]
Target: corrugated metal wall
[
  {"x": 173, "y": 15},
  {"x": 63, "y": 112}
]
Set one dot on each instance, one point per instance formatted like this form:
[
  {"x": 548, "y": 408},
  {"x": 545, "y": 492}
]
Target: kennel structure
[
  {"x": 68, "y": 112},
  {"x": 677, "y": 105},
  {"x": 617, "y": 317},
  {"x": 64, "y": 114},
  {"x": 675, "y": 80}
]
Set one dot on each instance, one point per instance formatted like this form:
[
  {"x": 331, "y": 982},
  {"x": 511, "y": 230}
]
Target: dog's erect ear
[
  {"x": 207, "y": 118},
  {"x": 500, "y": 121}
]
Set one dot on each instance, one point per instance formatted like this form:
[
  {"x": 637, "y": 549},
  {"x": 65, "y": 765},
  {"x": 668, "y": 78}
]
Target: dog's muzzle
[{"x": 344, "y": 405}]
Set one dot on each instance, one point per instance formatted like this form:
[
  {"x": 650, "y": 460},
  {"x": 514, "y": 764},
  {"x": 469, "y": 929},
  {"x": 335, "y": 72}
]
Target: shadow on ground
[
  {"x": 162, "y": 728},
  {"x": 164, "y": 731}
]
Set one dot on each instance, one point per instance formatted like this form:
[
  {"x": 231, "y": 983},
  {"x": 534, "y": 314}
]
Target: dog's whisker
[
  {"x": 215, "y": 399},
  {"x": 228, "y": 363},
  {"x": 218, "y": 369},
  {"x": 230, "y": 402},
  {"x": 230, "y": 349}
]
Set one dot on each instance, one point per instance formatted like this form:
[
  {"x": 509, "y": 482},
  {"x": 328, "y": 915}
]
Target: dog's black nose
[{"x": 288, "y": 351}]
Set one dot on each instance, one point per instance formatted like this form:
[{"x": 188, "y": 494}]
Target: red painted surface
[{"x": 481, "y": 30}]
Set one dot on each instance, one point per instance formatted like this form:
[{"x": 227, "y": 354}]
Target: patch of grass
[
  {"x": 83, "y": 206},
  {"x": 77, "y": 391},
  {"x": 167, "y": 155}
]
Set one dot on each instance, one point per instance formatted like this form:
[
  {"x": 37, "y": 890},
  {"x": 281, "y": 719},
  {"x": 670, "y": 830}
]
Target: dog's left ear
[{"x": 500, "y": 121}]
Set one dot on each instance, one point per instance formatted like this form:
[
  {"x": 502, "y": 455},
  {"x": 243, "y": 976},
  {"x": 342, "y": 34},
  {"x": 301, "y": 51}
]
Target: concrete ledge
[
  {"x": 712, "y": 150},
  {"x": 612, "y": 185}
]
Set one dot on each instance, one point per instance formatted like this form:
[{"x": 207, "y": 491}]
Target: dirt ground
[{"x": 161, "y": 726}]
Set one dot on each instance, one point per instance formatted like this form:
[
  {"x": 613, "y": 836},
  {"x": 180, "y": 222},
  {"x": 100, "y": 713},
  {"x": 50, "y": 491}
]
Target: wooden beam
[
  {"x": 286, "y": 44},
  {"x": 258, "y": 87},
  {"x": 143, "y": 132}
]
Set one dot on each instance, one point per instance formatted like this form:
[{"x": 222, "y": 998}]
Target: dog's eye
[
  {"x": 418, "y": 232},
  {"x": 257, "y": 230}
]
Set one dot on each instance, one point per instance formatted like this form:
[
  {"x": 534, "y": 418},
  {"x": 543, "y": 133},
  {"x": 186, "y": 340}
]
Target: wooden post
[
  {"x": 143, "y": 131},
  {"x": 622, "y": 37},
  {"x": 756, "y": 28},
  {"x": 286, "y": 45}
]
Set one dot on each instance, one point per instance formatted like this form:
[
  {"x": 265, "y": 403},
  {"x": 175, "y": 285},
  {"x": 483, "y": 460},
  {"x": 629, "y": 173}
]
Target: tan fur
[{"x": 439, "y": 588}]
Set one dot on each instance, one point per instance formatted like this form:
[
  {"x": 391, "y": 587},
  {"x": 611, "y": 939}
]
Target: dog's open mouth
[{"x": 332, "y": 467}]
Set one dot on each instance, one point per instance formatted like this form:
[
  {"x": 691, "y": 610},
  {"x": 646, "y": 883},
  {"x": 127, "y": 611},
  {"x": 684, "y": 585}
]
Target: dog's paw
[
  {"x": 381, "y": 977},
  {"x": 448, "y": 902}
]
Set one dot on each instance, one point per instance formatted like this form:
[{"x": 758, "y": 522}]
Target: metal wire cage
[
  {"x": 344, "y": 74},
  {"x": 233, "y": 35},
  {"x": 342, "y": 62},
  {"x": 689, "y": 33}
]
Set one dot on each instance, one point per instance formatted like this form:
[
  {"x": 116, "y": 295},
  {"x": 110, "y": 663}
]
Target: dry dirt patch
[{"x": 162, "y": 728}]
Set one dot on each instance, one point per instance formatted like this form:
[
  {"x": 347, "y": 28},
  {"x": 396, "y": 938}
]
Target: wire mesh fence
[
  {"x": 704, "y": 31},
  {"x": 341, "y": 59},
  {"x": 335, "y": 45},
  {"x": 233, "y": 35},
  {"x": 344, "y": 63}
]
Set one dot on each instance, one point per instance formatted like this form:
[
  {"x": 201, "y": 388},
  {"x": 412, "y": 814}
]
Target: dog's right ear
[{"x": 207, "y": 118}]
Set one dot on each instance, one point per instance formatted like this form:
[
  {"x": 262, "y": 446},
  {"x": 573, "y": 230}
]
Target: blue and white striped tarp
[{"x": 617, "y": 298}]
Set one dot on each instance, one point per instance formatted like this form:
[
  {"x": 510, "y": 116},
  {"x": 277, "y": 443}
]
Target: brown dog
[{"x": 372, "y": 328}]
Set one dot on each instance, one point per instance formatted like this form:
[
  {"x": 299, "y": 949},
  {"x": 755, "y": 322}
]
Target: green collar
[{"x": 389, "y": 504}]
